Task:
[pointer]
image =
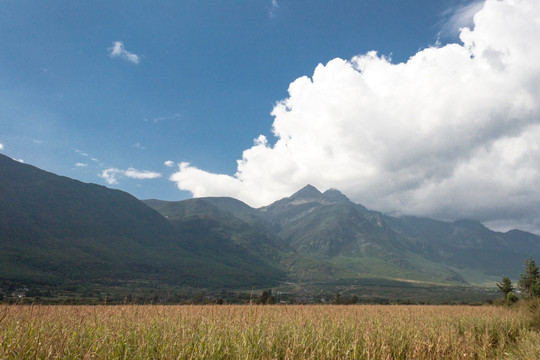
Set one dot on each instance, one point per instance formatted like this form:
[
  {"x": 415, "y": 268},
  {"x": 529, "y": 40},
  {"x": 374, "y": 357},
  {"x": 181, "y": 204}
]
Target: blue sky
[
  {"x": 109, "y": 91},
  {"x": 208, "y": 76}
]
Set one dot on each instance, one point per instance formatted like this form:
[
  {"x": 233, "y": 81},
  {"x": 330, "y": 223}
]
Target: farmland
[{"x": 267, "y": 332}]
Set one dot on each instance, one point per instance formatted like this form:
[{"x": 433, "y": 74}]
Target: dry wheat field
[{"x": 266, "y": 332}]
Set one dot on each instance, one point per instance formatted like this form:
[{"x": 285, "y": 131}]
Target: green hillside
[
  {"x": 57, "y": 232},
  {"x": 221, "y": 236}
]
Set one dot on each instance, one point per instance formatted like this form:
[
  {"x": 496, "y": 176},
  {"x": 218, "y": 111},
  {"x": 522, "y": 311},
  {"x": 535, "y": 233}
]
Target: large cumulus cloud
[{"x": 452, "y": 133}]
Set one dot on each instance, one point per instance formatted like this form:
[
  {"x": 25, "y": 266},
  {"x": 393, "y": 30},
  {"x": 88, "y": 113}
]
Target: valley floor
[
  {"x": 365, "y": 290},
  {"x": 267, "y": 332}
]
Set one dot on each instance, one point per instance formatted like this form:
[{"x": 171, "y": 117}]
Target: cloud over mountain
[
  {"x": 452, "y": 132},
  {"x": 111, "y": 174}
]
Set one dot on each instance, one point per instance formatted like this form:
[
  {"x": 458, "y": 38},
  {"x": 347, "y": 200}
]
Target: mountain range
[{"x": 61, "y": 234}]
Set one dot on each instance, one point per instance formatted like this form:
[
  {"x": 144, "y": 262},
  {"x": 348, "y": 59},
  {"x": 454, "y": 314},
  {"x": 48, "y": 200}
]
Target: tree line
[{"x": 528, "y": 284}]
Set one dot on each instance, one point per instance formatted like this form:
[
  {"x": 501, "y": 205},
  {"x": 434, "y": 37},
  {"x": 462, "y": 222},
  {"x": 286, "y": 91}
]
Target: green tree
[
  {"x": 535, "y": 288},
  {"x": 511, "y": 297},
  {"x": 266, "y": 298},
  {"x": 505, "y": 286},
  {"x": 529, "y": 282}
]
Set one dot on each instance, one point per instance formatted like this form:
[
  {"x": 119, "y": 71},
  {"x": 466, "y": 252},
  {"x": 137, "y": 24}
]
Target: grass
[{"x": 266, "y": 332}]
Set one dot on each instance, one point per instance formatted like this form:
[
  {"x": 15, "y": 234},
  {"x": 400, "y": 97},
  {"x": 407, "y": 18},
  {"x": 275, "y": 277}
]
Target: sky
[{"x": 417, "y": 107}]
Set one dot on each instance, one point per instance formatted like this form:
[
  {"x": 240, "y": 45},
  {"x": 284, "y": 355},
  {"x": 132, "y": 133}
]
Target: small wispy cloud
[
  {"x": 169, "y": 163},
  {"x": 79, "y": 164},
  {"x": 111, "y": 175},
  {"x": 163, "y": 118},
  {"x": 144, "y": 174},
  {"x": 274, "y": 6},
  {"x": 1, "y": 146},
  {"x": 139, "y": 146},
  {"x": 82, "y": 153},
  {"x": 118, "y": 50}
]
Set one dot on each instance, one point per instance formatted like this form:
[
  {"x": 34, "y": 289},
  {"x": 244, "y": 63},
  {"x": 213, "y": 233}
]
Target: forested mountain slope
[{"x": 55, "y": 230}]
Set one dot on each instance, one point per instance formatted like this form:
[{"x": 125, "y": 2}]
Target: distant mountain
[
  {"x": 326, "y": 236},
  {"x": 63, "y": 233},
  {"x": 467, "y": 244},
  {"x": 210, "y": 230},
  {"x": 329, "y": 224},
  {"x": 56, "y": 230},
  {"x": 352, "y": 240}
]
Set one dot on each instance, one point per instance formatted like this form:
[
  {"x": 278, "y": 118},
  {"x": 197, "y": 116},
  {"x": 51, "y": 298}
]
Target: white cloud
[
  {"x": 453, "y": 132},
  {"x": 169, "y": 163},
  {"x": 139, "y": 146},
  {"x": 19, "y": 160},
  {"x": 111, "y": 175},
  {"x": 79, "y": 164},
  {"x": 118, "y": 50},
  {"x": 1, "y": 146},
  {"x": 141, "y": 174},
  {"x": 274, "y": 6},
  {"x": 460, "y": 17}
]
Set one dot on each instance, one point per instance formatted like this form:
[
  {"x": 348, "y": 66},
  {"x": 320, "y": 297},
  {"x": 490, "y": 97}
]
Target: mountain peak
[
  {"x": 307, "y": 192},
  {"x": 335, "y": 196},
  {"x": 469, "y": 224}
]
